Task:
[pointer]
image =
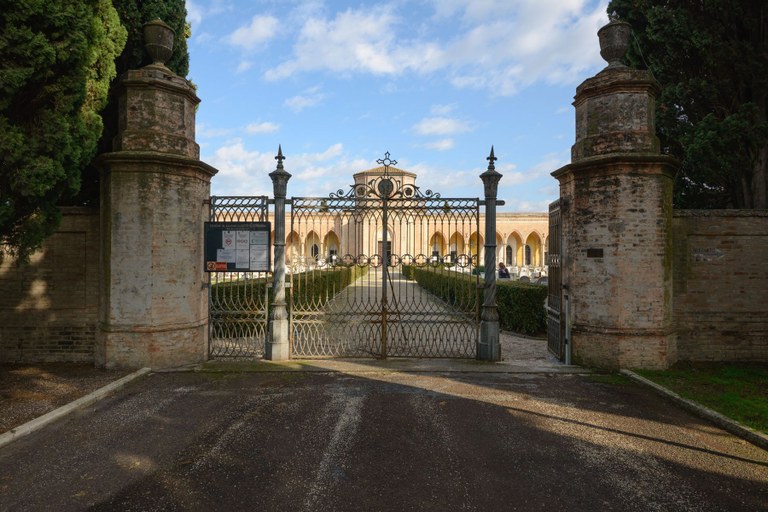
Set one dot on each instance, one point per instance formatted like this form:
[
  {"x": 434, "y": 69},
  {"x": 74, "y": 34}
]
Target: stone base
[
  {"x": 489, "y": 347},
  {"x": 615, "y": 349},
  {"x": 153, "y": 348}
]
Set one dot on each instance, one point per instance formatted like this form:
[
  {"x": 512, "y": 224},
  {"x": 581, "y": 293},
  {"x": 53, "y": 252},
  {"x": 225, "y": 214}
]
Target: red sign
[{"x": 215, "y": 265}]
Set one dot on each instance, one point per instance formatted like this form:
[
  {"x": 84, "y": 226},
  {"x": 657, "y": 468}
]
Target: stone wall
[
  {"x": 49, "y": 307},
  {"x": 721, "y": 284}
]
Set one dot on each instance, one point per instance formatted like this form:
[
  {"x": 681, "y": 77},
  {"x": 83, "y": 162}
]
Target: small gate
[
  {"x": 355, "y": 259},
  {"x": 237, "y": 301},
  {"x": 555, "y": 316}
]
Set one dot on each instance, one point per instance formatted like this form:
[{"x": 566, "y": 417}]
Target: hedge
[
  {"x": 318, "y": 286},
  {"x": 520, "y": 305},
  {"x": 458, "y": 290}
]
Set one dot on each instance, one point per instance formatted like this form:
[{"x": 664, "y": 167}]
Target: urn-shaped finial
[
  {"x": 158, "y": 41},
  {"x": 614, "y": 41}
]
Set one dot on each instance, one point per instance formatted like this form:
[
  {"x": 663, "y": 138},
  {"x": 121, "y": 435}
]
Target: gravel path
[{"x": 28, "y": 391}]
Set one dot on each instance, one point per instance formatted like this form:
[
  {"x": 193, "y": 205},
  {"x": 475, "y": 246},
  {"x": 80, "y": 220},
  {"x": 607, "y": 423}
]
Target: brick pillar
[
  {"x": 153, "y": 296},
  {"x": 616, "y": 201}
]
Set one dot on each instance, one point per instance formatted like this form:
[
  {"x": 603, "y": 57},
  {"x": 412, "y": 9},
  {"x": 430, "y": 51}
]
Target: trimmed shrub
[
  {"x": 457, "y": 290},
  {"x": 521, "y": 306},
  {"x": 309, "y": 287}
]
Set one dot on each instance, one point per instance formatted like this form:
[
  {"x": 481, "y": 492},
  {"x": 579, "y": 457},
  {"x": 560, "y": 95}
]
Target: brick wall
[
  {"x": 49, "y": 307},
  {"x": 721, "y": 284}
]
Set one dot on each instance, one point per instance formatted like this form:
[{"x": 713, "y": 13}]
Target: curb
[
  {"x": 38, "y": 423},
  {"x": 734, "y": 427}
]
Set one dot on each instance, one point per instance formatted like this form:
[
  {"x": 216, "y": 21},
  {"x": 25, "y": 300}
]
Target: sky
[{"x": 435, "y": 83}]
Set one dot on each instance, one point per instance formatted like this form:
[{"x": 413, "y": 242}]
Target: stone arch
[
  {"x": 514, "y": 251},
  {"x": 456, "y": 245},
  {"x": 476, "y": 246},
  {"x": 292, "y": 246},
  {"x": 500, "y": 248},
  {"x": 331, "y": 246},
  {"x": 312, "y": 246},
  {"x": 533, "y": 250},
  {"x": 437, "y": 244}
]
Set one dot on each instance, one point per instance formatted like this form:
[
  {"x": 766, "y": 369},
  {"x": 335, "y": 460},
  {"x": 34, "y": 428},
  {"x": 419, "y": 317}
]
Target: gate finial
[
  {"x": 491, "y": 159},
  {"x": 386, "y": 162},
  {"x": 279, "y": 156}
]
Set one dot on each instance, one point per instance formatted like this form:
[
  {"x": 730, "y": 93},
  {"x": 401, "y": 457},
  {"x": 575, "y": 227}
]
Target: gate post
[
  {"x": 277, "y": 347},
  {"x": 616, "y": 214},
  {"x": 488, "y": 348}
]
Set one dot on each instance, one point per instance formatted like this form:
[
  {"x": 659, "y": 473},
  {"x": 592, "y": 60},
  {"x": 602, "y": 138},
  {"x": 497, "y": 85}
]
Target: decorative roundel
[
  {"x": 435, "y": 261},
  {"x": 406, "y": 259},
  {"x": 362, "y": 260},
  {"x": 421, "y": 260},
  {"x": 475, "y": 260},
  {"x": 394, "y": 260},
  {"x": 347, "y": 260},
  {"x": 360, "y": 191},
  {"x": 463, "y": 260},
  {"x": 386, "y": 187},
  {"x": 408, "y": 191}
]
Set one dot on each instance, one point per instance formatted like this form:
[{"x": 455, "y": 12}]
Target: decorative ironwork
[
  {"x": 362, "y": 303},
  {"x": 237, "y": 301}
]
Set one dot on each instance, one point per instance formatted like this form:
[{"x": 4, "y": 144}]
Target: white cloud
[
  {"x": 204, "y": 131},
  {"x": 440, "y": 145},
  {"x": 265, "y": 127},
  {"x": 511, "y": 176},
  {"x": 440, "y": 126},
  {"x": 494, "y": 45},
  {"x": 309, "y": 98},
  {"x": 243, "y": 66},
  {"x": 241, "y": 172},
  {"x": 355, "y": 41},
  {"x": 259, "y": 31},
  {"x": 442, "y": 110},
  {"x": 194, "y": 13},
  {"x": 245, "y": 172}
]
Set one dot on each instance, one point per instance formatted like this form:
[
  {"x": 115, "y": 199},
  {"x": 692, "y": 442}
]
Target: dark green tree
[
  {"x": 711, "y": 59},
  {"x": 56, "y": 62},
  {"x": 133, "y": 15}
]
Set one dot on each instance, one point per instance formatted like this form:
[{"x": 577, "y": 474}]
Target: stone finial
[
  {"x": 614, "y": 41},
  {"x": 158, "y": 41}
]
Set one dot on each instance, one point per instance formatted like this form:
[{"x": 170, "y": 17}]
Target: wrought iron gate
[
  {"x": 555, "y": 316},
  {"x": 355, "y": 258},
  {"x": 237, "y": 301}
]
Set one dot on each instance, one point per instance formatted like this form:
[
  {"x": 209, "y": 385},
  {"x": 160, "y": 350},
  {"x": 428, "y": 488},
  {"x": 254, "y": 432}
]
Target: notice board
[{"x": 237, "y": 247}]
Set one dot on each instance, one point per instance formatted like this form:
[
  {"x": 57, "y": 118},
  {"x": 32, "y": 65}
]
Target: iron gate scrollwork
[
  {"x": 237, "y": 304},
  {"x": 353, "y": 257}
]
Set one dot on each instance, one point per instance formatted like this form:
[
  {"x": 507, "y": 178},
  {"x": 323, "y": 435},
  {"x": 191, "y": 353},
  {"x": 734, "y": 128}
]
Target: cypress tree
[{"x": 56, "y": 63}]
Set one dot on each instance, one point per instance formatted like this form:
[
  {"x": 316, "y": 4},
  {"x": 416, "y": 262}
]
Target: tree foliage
[
  {"x": 711, "y": 59},
  {"x": 133, "y": 15},
  {"x": 56, "y": 63}
]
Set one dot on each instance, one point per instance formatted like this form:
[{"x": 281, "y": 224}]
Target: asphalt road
[{"x": 382, "y": 440}]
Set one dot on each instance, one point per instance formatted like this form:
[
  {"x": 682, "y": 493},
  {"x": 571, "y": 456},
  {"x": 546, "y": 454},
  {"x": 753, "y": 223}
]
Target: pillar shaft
[{"x": 153, "y": 307}]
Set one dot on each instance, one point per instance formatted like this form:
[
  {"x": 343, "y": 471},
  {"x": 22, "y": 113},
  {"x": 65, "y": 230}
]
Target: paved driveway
[{"x": 371, "y": 437}]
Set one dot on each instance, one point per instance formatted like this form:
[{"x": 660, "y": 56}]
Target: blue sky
[{"x": 434, "y": 82}]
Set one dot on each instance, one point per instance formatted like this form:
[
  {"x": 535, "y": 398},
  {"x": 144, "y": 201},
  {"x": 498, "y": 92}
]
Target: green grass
[
  {"x": 616, "y": 379},
  {"x": 736, "y": 390}
]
